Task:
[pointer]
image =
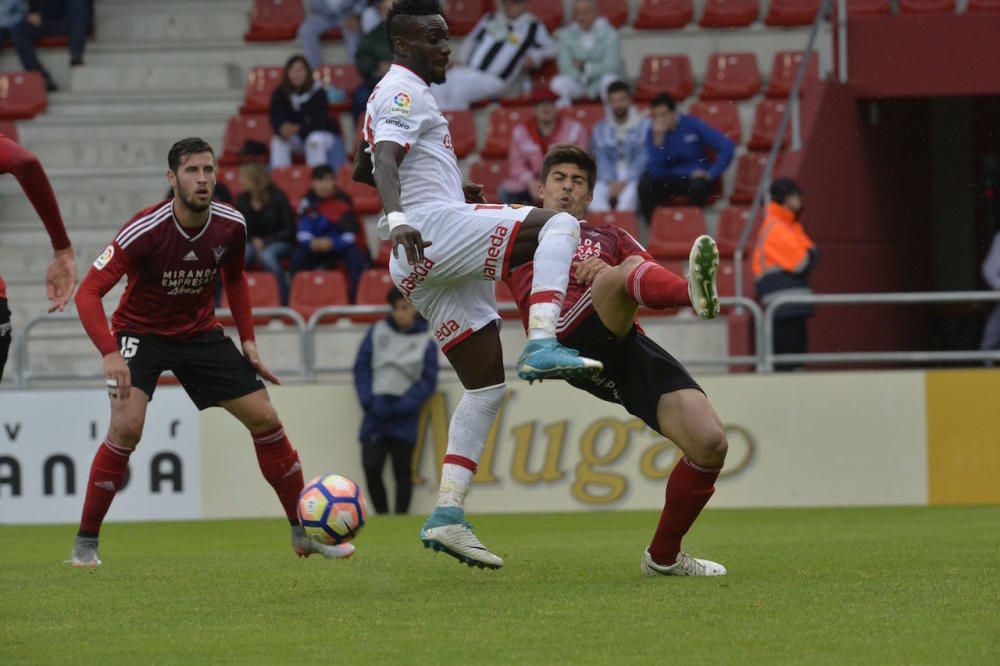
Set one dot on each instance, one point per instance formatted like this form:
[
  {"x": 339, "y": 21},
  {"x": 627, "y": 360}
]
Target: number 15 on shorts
[{"x": 129, "y": 347}]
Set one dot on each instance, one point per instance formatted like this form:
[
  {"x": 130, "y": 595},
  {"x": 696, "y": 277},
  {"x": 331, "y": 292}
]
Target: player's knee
[
  {"x": 126, "y": 432},
  {"x": 561, "y": 224},
  {"x": 265, "y": 418},
  {"x": 711, "y": 448}
]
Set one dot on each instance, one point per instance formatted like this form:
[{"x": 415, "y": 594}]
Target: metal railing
[
  {"x": 901, "y": 357},
  {"x": 792, "y": 116}
]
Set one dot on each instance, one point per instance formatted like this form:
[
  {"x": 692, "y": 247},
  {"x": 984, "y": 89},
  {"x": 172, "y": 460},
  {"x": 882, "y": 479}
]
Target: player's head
[
  {"x": 619, "y": 100},
  {"x": 324, "y": 182},
  {"x": 568, "y": 177},
  {"x": 418, "y": 35},
  {"x": 298, "y": 77},
  {"x": 663, "y": 111},
  {"x": 786, "y": 192},
  {"x": 403, "y": 314},
  {"x": 191, "y": 173}
]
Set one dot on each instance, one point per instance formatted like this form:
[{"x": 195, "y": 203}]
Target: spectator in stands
[
  {"x": 18, "y": 21},
  {"x": 300, "y": 117},
  {"x": 783, "y": 258},
  {"x": 619, "y": 146},
  {"x": 395, "y": 372},
  {"x": 991, "y": 273},
  {"x": 328, "y": 231},
  {"x": 373, "y": 59},
  {"x": 270, "y": 223},
  {"x": 493, "y": 56},
  {"x": 325, "y": 15},
  {"x": 677, "y": 157},
  {"x": 589, "y": 55},
  {"x": 529, "y": 141}
]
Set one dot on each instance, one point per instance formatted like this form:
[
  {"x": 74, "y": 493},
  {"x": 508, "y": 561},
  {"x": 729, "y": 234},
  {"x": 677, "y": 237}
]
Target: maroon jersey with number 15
[{"x": 172, "y": 271}]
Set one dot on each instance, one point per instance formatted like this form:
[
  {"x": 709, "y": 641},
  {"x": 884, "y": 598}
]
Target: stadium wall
[{"x": 817, "y": 439}]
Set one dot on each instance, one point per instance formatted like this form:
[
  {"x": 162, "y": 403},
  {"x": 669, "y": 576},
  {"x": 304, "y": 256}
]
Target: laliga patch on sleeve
[
  {"x": 401, "y": 104},
  {"x": 105, "y": 257}
]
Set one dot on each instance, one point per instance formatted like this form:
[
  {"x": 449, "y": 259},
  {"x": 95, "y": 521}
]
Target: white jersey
[{"x": 402, "y": 109}]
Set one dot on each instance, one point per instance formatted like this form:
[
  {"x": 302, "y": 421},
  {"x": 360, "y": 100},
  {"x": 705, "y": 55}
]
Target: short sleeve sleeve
[{"x": 398, "y": 115}]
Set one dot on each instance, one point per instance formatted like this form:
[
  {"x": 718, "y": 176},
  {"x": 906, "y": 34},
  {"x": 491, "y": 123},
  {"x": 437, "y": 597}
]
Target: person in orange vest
[{"x": 782, "y": 259}]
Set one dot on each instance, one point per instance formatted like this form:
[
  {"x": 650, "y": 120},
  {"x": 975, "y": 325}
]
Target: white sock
[
  {"x": 470, "y": 424},
  {"x": 557, "y": 243}
]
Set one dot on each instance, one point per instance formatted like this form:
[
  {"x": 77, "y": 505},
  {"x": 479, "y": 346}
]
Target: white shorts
[{"x": 454, "y": 286}]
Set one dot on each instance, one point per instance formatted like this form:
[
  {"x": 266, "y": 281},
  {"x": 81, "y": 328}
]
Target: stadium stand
[
  {"x": 791, "y": 12},
  {"x": 239, "y": 130},
  {"x": 463, "y": 15},
  {"x": 783, "y": 69},
  {"x": 22, "y": 95},
  {"x": 663, "y": 14},
  {"x": 664, "y": 73},
  {"x": 365, "y": 197},
  {"x": 673, "y": 230},
  {"x": 375, "y": 284},
  {"x": 490, "y": 173},
  {"x": 749, "y": 170},
  {"x": 274, "y": 20},
  {"x": 731, "y": 76},
  {"x": 767, "y": 117},
  {"x": 312, "y": 290},
  {"x": 261, "y": 83},
  {"x": 729, "y": 13},
  {"x": 501, "y": 123},
  {"x": 294, "y": 181},
  {"x": 720, "y": 114}
]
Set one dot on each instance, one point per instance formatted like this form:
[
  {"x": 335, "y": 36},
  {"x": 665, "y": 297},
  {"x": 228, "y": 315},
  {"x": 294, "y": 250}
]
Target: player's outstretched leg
[
  {"x": 703, "y": 267},
  {"x": 543, "y": 356},
  {"x": 684, "y": 566}
]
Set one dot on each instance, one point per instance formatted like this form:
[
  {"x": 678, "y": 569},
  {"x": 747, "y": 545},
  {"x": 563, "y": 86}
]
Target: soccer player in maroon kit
[
  {"x": 614, "y": 275},
  {"x": 173, "y": 253},
  {"x": 61, "y": 275}
]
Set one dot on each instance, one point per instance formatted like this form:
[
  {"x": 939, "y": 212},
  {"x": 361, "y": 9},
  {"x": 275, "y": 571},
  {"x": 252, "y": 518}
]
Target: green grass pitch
[{"x": 878, "y": 586}]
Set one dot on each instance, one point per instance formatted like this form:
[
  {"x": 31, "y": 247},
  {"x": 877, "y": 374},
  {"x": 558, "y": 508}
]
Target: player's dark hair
[
  {"x": 407, "y": 8},
  {"x": 185, "y": 147},
  {"x": 619, "y": 86},
  {"x": 664, "y": 99},
  {"x": 393, "y": 296},
  {"x": 322, "y": 171},
  {"x": 286, "y": 82},
  {"x": 569, "y": 154}
]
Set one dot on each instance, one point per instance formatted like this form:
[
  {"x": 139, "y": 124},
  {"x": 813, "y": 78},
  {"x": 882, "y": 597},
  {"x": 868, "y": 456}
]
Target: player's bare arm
[
  {"x": 388, "y": 156},
  {"x": 363, "y": 165},
  {"x": 474, "y": 192}
]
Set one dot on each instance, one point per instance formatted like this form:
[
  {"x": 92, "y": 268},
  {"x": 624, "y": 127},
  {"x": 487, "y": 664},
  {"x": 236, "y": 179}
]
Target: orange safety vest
[{"x": 782, "y": 243}]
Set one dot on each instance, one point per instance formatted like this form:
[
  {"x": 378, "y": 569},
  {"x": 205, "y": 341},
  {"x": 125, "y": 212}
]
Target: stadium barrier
[
  {"x": 897, "y": 358},
  {"x": 908, "y": 437}
]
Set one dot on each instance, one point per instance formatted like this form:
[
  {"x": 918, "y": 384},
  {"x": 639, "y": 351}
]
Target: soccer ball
[{"x": 332, "y": 509}]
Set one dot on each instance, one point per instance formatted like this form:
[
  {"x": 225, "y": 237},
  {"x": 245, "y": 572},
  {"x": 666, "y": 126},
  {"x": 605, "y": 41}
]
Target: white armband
[{"x": 396, "y": 219}]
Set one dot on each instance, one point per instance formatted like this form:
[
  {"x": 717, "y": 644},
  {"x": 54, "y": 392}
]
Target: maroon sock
[
  {"x": 279, "y": 463},
  {"x": 107, "y": 474},
  {"x": 688, "y": 490},
  {"x": 653, "y": 286}
]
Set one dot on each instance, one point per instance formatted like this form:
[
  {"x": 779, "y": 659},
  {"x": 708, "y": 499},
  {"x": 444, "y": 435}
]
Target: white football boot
[
  {"x": 447, "y": 531},
  {"x": 85, "y": 553},
  {"x": 703, "y": 267},
  {"x": 684, "y": 566},
  {"x": 304, "y": 546}
]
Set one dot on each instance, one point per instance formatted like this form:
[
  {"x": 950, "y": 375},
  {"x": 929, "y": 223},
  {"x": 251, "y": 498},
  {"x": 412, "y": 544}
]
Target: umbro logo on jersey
[{"x": 191, "y": 256}]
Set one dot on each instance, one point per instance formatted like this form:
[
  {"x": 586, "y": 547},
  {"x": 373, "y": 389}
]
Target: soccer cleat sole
[
  {"x": 704, "y": 266},
  {"x": 439, "y": 547},
  {"x": 532, "y": 374}
]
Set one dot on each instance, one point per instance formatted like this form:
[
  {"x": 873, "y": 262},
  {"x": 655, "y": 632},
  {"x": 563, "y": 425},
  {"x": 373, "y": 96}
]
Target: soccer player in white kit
[{"x": 453, "y": 252}]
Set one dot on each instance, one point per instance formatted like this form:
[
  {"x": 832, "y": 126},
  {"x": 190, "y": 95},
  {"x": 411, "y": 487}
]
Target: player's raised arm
[
  {"x": 60, "y": 277},
  {"x": 388, "y": 156},
  {"x": 363, "y": 165},
  {"x": 105, "y": 273}
]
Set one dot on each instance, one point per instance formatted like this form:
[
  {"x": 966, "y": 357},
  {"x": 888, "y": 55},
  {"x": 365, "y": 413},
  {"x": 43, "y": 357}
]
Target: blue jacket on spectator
[
  {"x": 392, "y": 401},
  {"x": 632, "y": 151},
  {"x": 314, "y": 224},
  {"x": 684, "y": 150}
]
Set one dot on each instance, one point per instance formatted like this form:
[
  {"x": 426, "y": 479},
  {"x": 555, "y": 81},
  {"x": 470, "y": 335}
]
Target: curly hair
[{"x": 409, "y": 8}]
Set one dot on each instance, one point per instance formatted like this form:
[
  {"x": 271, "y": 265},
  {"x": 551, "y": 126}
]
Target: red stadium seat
[
  {"x": 22, "y": 95},
  {"x": 981, "y": 7},
  {"x": 783, "y": 69},
  {"x": 263, "y": 294},
  {"x": 665, "y": 74},
  {"x": 343, "y": 77},
  {"x": 731, "y": 76},
  {"x": 624, "y": 220},
  {"x": 587, "y": 115},
  {"x": 748, "y": 173},
  {"x": 312, "y": 290},
  {"x": 9, "y": 130},
  {"x": 382, "y": 258},
  {"x": 791, "y": 12},
  {"x": 261, "y": 84},
  {"x": 729, "y": 13},
  {"x": 501, "y": 123},
  {"x": 615, "y": 11},
  {"x": 506, "y": 297},
  {"x": 548, "y": 12},
  {"x": 766, "y": 118},
  {"x": 490, "y": 174},
  {"x": 731, "y": 223},
  {"x": 722, "y": 115},
  {"x": 463, "y": 15},
  {"x": 867, "y": 7},
  {"x": 274, "y": 20},
  {"x": 927, "y": 6},
  {"x": 294, "y": 181},
  {"x": 372, "y": 290},
  {"x": 673, "y": 230},
  {"x": 463, "y": 132},
  {"x": 365, "y": 197},
  {"x": 663, "y": 14},
  {"x": 241, "y": 129},
  {"x": 230, "y": 177}
]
